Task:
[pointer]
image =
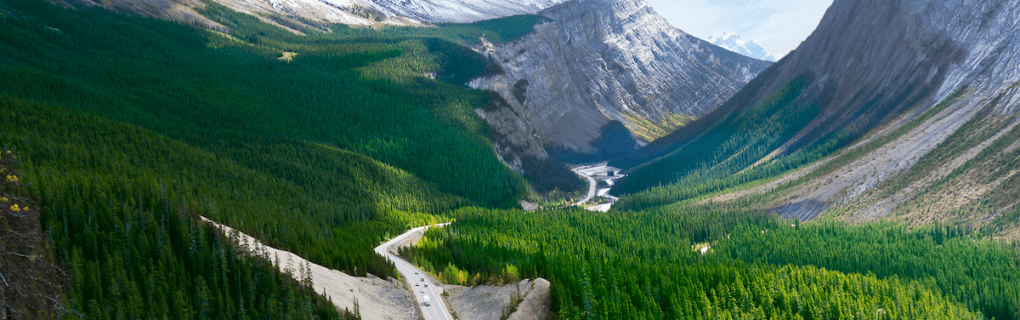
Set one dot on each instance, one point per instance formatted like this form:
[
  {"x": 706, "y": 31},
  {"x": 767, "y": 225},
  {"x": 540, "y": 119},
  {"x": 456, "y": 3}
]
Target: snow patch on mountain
[{"x": 734, "y": 43}]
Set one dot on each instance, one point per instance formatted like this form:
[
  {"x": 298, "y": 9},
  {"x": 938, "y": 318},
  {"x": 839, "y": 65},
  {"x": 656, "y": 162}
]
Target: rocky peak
[
  {"x": 736, "y": 44},
  {"x": 598, "y": 61},
  {"x": 874, "y": 65}
]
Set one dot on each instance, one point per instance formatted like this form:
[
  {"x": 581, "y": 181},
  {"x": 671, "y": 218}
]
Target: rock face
[
  {"x": 597, "y": 61},
  {"x": 874, "y": 65},
  {"x": 463, "y": 11},
  {"x": 527, "y": 299},
  {"x": 321, "y": 13},
  {"x": 734, "y": 43}
]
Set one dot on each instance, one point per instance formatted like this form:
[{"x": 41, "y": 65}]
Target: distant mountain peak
[{"x": 733, "y": 42}]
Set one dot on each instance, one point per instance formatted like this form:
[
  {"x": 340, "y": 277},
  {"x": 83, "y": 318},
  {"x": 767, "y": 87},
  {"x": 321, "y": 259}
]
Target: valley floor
[{"x": 595, "y": 173}]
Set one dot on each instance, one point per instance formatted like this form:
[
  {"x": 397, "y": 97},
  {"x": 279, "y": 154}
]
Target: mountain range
[
  {"x": 907, "y": 124},
  {"x": 596, "y": 62},
  {"x": 258, "y": 159},
  {"x": 734, "y": 43}
]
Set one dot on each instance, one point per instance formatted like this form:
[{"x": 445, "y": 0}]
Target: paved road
[
  {"x": 591, "y": 184},
  {"x": 417, "y": 280},
  {"x": 591, "y": 172}
]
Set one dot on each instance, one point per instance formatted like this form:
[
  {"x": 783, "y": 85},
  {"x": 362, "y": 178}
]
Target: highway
[
  {"x": 595, "y": 173},
  {"x": 417, "y": 280},
  {"x": 591, "y": 184}
]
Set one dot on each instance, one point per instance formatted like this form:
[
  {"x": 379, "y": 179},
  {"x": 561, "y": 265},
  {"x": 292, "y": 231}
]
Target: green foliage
[
  {"x": 134, "y": 254},
  {"x": 736, "y": 151},
  {"x": 510, "y": 28},
  {"x": 980, "y": 273},
  {"x": 258, "y": 195},
  {"x": 642, "y": 265},
  {"x": 364, "y": 94},
  {"x": 994, "y": 167},
  {"x": 718, "y": 158},
  {"x": 850, "y": 155}
]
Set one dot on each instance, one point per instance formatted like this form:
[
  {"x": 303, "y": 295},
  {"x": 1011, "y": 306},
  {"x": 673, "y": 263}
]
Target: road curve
[
  {"x": 592, "y": 184},
  {"x": 416, "y": 279}
]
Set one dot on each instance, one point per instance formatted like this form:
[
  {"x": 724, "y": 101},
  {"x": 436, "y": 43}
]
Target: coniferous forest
[{"x": 119, "y": 133}]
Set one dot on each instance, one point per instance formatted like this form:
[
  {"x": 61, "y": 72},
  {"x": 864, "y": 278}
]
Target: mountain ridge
[
  {"x": 910, "y": 97},
  {"x": 596, "y": 62},
  {"x": 735, "y": 43}
]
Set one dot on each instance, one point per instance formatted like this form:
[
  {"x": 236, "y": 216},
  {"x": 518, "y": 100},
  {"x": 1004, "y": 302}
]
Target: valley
[
  {"x": 520, "y": 159},
  {"x": 600, "y": 179}
]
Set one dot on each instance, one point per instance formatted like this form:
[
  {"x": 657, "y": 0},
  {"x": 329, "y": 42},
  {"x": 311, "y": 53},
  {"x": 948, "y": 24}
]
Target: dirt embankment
[
  {"x": 525, "y": 300},
  {"x": 377, "y": 298}
]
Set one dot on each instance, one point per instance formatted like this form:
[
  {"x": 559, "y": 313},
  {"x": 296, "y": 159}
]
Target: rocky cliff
[
  {"x": 884, "y": 73},
  {"x": 600, "y": 61},
  {"x": 462, "y": 11},
  {"x": 322, "y": 13}
]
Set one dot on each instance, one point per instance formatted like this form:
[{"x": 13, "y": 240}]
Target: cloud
[{"x": 777, "y": 25}]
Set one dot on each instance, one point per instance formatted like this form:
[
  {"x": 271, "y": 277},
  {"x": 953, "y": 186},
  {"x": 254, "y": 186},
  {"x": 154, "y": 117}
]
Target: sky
[{"x": 777, "y": 25}]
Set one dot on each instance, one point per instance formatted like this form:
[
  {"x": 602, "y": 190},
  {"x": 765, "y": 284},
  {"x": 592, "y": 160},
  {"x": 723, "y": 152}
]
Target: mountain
[
  {"x": 462, "y": 11},
  {"x": 595, "y": 79},
  {"x": 734, "y": 43},
  {"x": 596, "y": 65},
  {"x": 123, "y": 136},
  {"x": 295, "y": 15},
  {"x": 904, "y": 109}
]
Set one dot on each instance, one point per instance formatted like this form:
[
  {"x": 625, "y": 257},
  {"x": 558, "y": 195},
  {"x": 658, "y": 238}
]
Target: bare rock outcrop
[
  {"x": 525, "y": 300},
  {"x": 875, "y": 65},
  {"x": 597, "y": 61}
]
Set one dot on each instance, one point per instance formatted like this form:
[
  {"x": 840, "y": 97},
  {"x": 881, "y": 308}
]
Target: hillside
[
  {"x": 121, "y": 120},
  {"x": 871, "y": 174},
  {"x": 593, "y": 80},
  {"x": 297, "y": 16},
  {"x": 894, "y": 106},
  {"x": 637, "y": 265},
  {"x": 120, "y": 206}
]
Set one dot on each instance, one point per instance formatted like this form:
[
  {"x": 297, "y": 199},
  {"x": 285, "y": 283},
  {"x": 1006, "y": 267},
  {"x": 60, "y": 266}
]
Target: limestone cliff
[
  {"x": 598, "y": 61},
  {"x": 879, "y": 72},
  {"x": 319, "y": 14}
]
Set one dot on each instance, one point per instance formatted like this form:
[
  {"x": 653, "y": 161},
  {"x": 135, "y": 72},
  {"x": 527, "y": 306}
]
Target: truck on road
[{"x": 426, "y": 299}]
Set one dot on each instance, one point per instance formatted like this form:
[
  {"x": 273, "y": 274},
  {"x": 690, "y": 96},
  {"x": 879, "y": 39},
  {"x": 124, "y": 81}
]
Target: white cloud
[{"x": 777, "y": 25}]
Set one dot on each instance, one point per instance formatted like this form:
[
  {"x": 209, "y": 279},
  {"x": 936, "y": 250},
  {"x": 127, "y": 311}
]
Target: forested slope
[
  {"x": 903, "y": 116},
  {"x": 261, "y": 143},
  {"x": 647, "y": 265},
  {"x": 130, "y": 252},
  {"x": 360, "y": 92},
  {"x": 130, "y": 128}
]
